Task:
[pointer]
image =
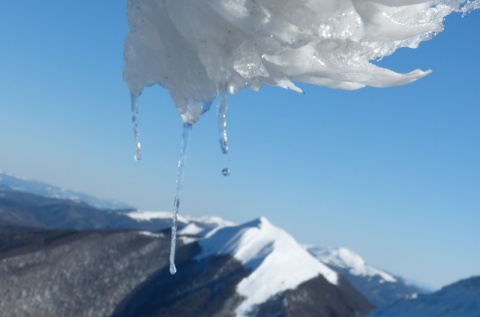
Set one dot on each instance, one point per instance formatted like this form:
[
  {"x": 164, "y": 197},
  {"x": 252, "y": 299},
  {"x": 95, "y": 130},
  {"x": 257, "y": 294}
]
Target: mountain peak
[
  {"x": 260, "y": 223},
  {"x": 277, "y": 261}
]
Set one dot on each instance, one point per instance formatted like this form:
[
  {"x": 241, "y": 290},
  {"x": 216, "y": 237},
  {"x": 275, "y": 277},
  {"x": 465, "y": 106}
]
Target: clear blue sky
[{"x": 391, "y": 173}]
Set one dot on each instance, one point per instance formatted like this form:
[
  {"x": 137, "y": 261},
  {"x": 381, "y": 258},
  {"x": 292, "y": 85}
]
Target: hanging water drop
[
  {"x": 225, "y": 171},
  {"x": 136, "y": 131},
  {"x": 187, "y": 129}
]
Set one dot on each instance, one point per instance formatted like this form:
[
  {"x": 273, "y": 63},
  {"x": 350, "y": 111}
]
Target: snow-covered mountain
[
  {"x": 276, "y": 261},
  {"x": 378, "y": 286},
  {"x": 252, "y": 269},
  {"x": 224, "y": 269},
  {"x": 259, "y": 268},
  {"x": 460, "y": 299},
  {"x": 43, "y": 189}
]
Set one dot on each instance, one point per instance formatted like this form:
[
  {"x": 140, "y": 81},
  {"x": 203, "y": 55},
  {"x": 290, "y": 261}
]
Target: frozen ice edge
[{"x": 198, "y": 50}]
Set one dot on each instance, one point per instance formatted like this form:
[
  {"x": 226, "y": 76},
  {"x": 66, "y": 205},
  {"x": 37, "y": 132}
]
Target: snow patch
[
  {"x": 191, "y": 229},
  {"x": 208, "y": 221},
  {"x": 148, "y": 215}
]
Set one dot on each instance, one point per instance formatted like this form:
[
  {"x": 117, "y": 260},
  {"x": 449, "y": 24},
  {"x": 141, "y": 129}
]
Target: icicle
[
  {"x": 187, "y": 129},
  {"x": 222, "y": 128},
  {"x": 134, "y": 101},
  {"x": 173, "y": 244},
  {"x": 222, "y": 122}
]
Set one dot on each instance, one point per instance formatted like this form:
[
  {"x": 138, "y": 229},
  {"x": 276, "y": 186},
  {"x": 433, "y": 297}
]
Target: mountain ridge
[
  {"x": 134, "y": 266},
  {"x": 459, "y": 299},
  {"x": 238, "y": 261},
  {"x": 47, "y": 190},
  {"x": 277, "y": 261},
  {"x": 378, "y": 286}
]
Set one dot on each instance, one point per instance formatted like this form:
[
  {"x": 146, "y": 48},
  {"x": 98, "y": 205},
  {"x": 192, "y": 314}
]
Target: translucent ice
[
  {"x": 199, "y": 49},
  {"x": 138, "y": 155},
  {"x": 222, "y": 122},
  {"x": 187, "y": 129}
]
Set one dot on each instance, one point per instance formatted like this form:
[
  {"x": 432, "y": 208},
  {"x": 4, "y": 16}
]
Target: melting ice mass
[{"x": 203, "y": 49}]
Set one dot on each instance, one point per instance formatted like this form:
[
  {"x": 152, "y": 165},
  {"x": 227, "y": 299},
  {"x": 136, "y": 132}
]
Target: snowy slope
[
  {"x": 461, "y": 299},
  {"x": 378, "y": 286},
  {"x": 276, "y": 260},
  {"x": 349, "y": 260},
  {"x": 43, "y": 189}
]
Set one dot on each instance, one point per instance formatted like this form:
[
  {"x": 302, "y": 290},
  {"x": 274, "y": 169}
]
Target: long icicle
[
  {"x": 222, "y": 128},
  {"x": 222, "y": 122},
  {"x": 187, "y": 129},
  {"x": 136, "y": 131}
]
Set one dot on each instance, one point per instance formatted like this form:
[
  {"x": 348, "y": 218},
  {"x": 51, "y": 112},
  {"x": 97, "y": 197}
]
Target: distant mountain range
[
  {"x": 64, "y": 257},
  {"x": 460, "y": 299},
  {"x": 46, "y": 190},
  {"x": 119, "y": 272}
]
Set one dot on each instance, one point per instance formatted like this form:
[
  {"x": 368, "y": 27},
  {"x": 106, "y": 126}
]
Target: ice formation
[
  {"x": 200, "y": 50},
  {"x": 204, "y": 48}
]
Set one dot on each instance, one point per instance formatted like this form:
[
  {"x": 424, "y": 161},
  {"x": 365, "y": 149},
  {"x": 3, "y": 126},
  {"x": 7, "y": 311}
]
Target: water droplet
[
  {"x": 226, "y": 171},
  {"x": 138, "y": 155},
  {"x": 173, "y": 268}
]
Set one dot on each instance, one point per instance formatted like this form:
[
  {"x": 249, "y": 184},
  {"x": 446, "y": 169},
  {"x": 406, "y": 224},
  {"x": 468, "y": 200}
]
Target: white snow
[
  {"x": 147, "y": 215},
  {"x": 194, "y": 226},
  {"x": 151, "y": 234},
  {"x": 191, "y": 229},
  {"x": 202, "y": 222},
  {"x": 199, "y": 49},
  {"x": 191, "y": 233},
  {"x": 277, "y": 261},
  {"x": 347, "y": 259},
  {"x": 209, "y": 221}
]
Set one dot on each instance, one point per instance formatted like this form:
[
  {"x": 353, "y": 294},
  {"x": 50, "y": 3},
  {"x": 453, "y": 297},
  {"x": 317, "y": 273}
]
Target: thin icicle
[
  {"x": 173, "y": 244},
  {"x": 136, "y": 132},
  {"x": 187, "y": 129},
  {"x": 222, "y": 122},
  {"x": 222, "y": 127}
]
